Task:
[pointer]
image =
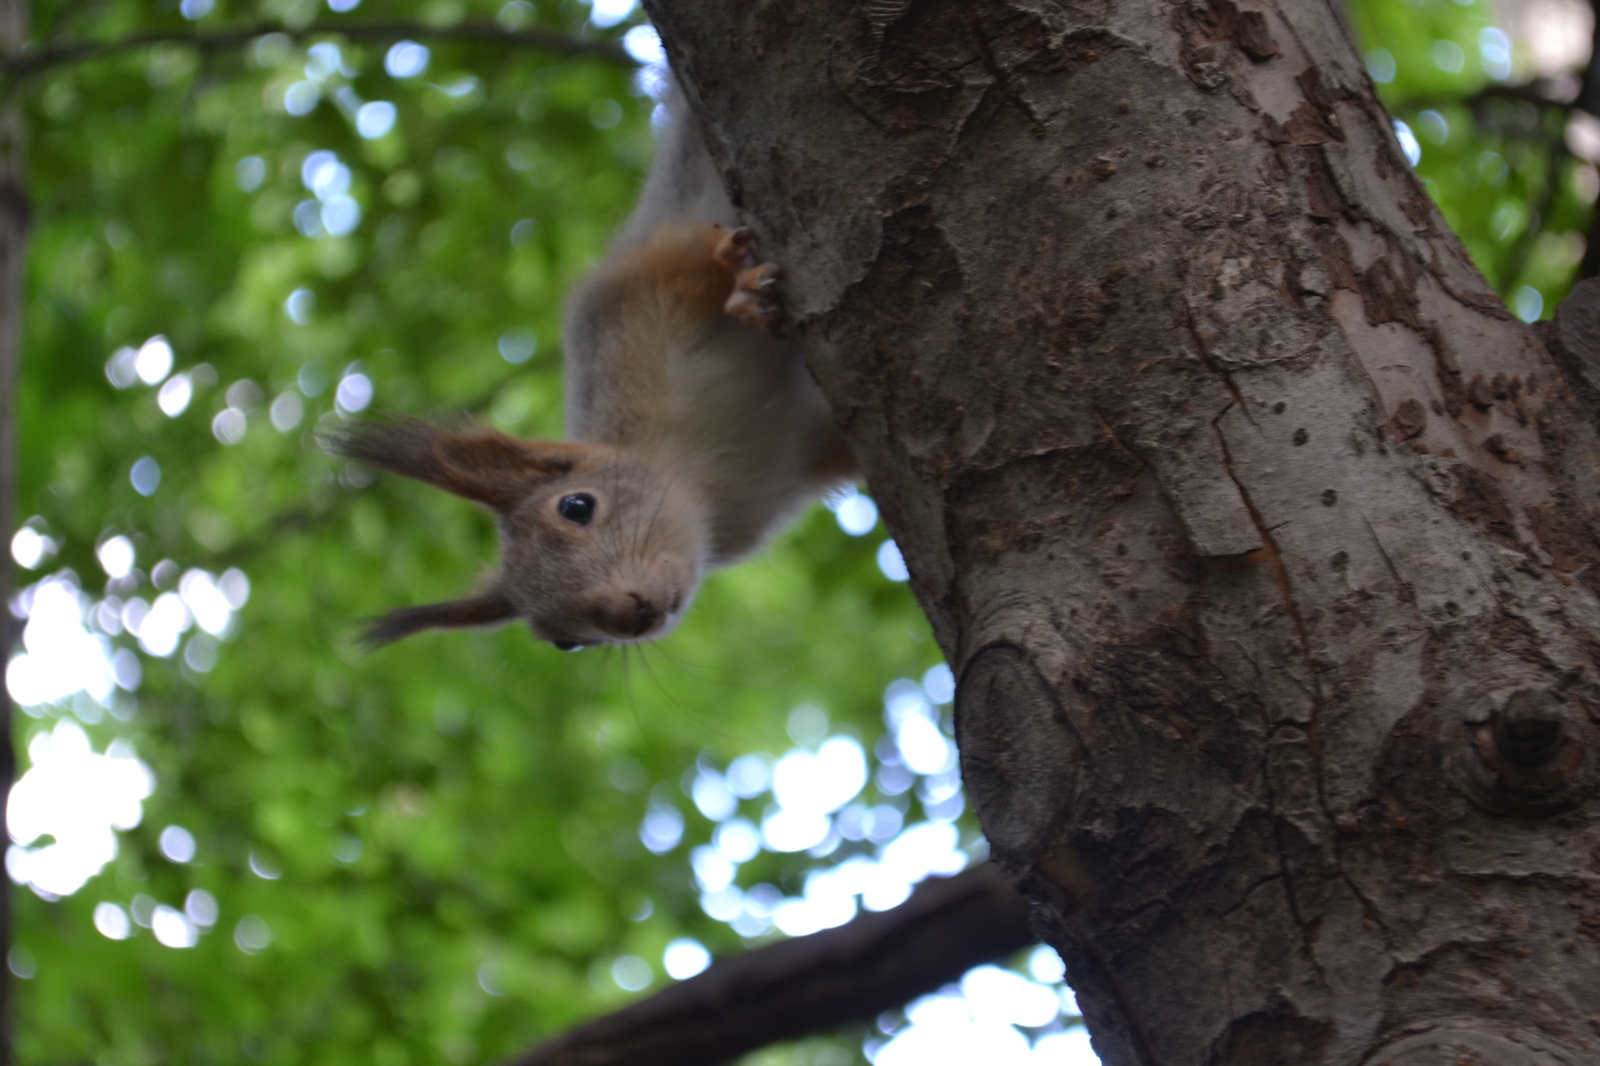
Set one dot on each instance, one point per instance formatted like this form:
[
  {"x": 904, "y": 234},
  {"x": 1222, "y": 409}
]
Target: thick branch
[
  {"x": 32, "y": 61},
  {"x": 811, "y": 983}
]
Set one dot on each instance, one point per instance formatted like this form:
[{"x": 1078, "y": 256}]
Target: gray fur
[
  {"x": 683, "y": 182},
  {"x": 695, "y": 434}
]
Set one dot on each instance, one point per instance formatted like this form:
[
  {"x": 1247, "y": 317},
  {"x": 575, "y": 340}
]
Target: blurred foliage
[
  {"x": 494, "y": 785},
  {"x": 1491, "y": 130},
  {"x": 476, "y": 769}
]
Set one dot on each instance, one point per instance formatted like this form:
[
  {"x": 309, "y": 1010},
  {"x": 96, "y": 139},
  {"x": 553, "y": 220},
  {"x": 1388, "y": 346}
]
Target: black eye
[
  {"x": 567, "y": 645},
  {"x": 579, "y": 508}
]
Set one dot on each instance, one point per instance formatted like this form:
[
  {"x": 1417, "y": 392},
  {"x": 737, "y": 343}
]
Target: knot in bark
[
  {"x": 1528, "y": 732},
  {"x": 1525, "y": 754},
  {"x": 1019, "y": 755}
]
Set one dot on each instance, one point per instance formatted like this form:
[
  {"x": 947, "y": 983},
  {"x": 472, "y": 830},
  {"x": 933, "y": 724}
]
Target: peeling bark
[{"x": 1262, "y": 539}]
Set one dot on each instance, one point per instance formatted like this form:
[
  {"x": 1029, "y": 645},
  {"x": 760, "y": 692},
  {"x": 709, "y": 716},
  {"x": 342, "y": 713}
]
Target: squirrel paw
[
  {"x": 737, "y": 249},
  {"x": 755, "y": 285},
  {"x": 755, "y": 299}
]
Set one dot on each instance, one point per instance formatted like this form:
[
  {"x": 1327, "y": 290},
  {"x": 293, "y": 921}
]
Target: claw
[
  {"x": 755, "y": 299},
  {"x": 738, "y": 249}
]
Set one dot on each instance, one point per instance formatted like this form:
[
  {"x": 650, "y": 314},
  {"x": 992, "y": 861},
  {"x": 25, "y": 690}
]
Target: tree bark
[
  {"x": 1262, "y": 539},
  {"x": 809, "y": 984}
]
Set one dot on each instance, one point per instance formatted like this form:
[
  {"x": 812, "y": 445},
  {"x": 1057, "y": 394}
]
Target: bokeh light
[
  {"x": 684, "y": 958},
  {"x": 299, "y": 305},
  {"x": 406, "y": 59},
  {"x": 30, "y": 547},
  {"x": 154, "y": 360},
  {"x": 354, "y": 392},
  {"x": 112, "y": 921},
  {"x": 518, "y": 345},
  {"x": 79, "y": 798},
  {"x": 286, "y": 412},
  {"x": 145, "y": 476},
  {"x": 252, "y": 934},
  {"x": 249, "y": 173},
  {"x": 644, "y": 45},
  {"x": 175, "y": 394},
  {"x": 857, "y": 515},
  {"x": 375, "y": 119},
  {"x": 662, "y": 828},
  {"x": 811, "y": 800},
  {"x": 61, "y": 655},
  {"x": 891, "y": 562},
  {"x": 631, "y": 973},
  {"x": 177, "y": 844},
  {"x": 610, "y": 12}
]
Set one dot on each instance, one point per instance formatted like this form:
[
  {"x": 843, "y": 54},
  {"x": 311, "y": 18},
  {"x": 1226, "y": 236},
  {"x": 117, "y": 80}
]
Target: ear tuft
[
  {"x": 479, "y": 464},
  {"x": 484, "y": 609}
]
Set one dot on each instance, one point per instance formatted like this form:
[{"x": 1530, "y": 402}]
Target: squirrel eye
[
  {"x": 578, "y": 508},
  {"x": 567, "y": 645}
]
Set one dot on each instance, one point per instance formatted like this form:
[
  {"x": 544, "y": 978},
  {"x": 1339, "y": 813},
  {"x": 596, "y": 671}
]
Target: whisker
[
  {"x": 643, "y": 536},
  {"x": 704, "y": 719},
  {"x": 608, "y": 539}
]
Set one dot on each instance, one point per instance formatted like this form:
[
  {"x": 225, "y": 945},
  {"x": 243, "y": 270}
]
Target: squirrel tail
[{"x": 486, "y": 608}]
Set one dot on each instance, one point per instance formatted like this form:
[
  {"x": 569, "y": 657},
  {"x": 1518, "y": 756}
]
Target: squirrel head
[{"x": 597, "y": 545}]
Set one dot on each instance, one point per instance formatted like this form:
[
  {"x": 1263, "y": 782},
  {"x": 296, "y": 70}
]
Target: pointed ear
[
  {"x": 484, "y": 609},
  {"x": 480, "y": 464}
]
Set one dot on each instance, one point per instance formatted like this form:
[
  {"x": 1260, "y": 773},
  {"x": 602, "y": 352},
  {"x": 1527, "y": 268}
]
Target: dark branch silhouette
[
  {"x": 1556, "y": 158},
  {"x": 1589, "y": 100},
  {"x": 809, "y": 984},
  {"x": 33, "y": 60}
]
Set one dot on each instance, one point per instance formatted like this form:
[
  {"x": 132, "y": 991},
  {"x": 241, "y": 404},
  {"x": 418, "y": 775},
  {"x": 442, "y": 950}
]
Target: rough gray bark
[
  {"x": 13, "y": 232},
  {"x": 1260, "y": 536}
]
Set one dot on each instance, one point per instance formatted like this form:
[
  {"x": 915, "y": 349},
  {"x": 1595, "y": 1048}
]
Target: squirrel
[{"x": 694, "y": 429}]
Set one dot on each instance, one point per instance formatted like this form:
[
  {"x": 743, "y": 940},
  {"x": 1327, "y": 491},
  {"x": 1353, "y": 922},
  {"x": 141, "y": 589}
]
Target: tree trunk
[{"x": 1262, "y": 539}]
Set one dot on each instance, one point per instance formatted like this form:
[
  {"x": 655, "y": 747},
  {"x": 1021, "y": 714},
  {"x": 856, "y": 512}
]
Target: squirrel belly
[
  {"x": 656, "y": 365},
  {"x": 694, "y": 430}
]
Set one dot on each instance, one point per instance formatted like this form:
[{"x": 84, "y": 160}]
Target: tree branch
[
  {"x": 32, "y": 61},
  {"x": 1589, "y": 86},
  {"x": 1589, "y": 99},
  {"x": 1556, "y": 156},
  {"x": 1541, "y": 93},
  {"x": 811, "y": 983}
]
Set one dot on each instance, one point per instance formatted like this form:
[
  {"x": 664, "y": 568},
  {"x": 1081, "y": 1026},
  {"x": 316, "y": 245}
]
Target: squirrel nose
[
  {"x": 629, "y": 615},
  {"x": 645, "y": 615}
]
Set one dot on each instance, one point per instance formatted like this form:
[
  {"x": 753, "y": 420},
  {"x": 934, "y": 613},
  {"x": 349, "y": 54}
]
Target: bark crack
[
  {"x": 1307, "y": 941},
  {"x": 1260, "y": 882},
  {"x": 1269, "y": 553},
  {"x": 1280, "y": 572},
  {"x": 1001, "y": 76},
  {"x": 1410, "y": 596},
  {"x": 1368, "y": 907}
]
